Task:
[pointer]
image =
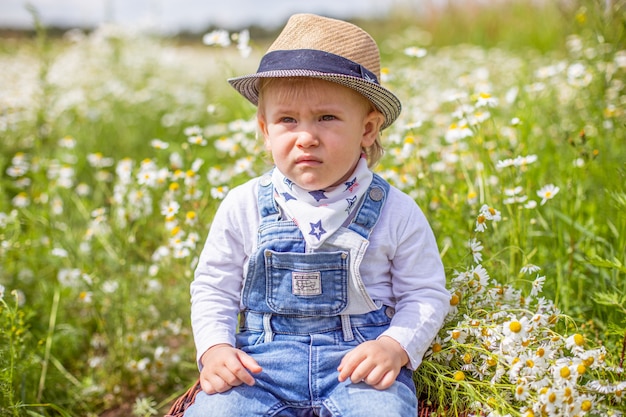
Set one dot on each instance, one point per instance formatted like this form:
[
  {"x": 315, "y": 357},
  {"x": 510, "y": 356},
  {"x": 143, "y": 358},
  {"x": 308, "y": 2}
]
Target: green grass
[{"x": 95, "y": 279}]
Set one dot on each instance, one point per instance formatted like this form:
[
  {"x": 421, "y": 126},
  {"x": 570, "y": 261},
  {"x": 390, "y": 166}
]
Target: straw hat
[{"x": 329, "y": 49}]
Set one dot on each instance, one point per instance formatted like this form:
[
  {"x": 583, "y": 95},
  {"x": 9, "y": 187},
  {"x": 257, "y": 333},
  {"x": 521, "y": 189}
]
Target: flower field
[{"x": 117, "y": 146}]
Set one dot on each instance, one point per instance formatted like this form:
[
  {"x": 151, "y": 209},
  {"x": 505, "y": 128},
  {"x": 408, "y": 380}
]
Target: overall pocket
[{"x": 310, "y": 284}]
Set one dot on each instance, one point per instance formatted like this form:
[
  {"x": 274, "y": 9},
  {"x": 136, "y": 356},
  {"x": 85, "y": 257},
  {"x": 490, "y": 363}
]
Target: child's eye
[
  {"x": 287, "y": 120},
  {"x": 327, "y": 117}
]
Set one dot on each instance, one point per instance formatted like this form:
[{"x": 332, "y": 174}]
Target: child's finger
[
  {"x": 386, "y": 381},
  {"x": 249, "y": 362},
  {"x": 246, "y": 364},
  {"x": 347, "y": 367}
]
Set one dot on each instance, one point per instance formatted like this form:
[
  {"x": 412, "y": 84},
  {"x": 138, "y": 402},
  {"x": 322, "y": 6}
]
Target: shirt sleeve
[
  {"x": 418, "y": 281},
  {"x": 218, "y": 278}
]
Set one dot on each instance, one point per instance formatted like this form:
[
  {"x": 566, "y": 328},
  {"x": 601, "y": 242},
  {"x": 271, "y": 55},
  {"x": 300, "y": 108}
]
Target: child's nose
[{"x": 307, "y": 138}]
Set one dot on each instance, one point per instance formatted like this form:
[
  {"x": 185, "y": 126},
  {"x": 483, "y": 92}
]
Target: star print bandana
[{"x": 320, "y": 213}]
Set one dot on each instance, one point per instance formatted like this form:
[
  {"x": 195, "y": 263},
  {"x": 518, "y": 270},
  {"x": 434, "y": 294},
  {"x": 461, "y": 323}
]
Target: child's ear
[
  {"x": 262, "y": 128},
  {"x": 371, "y": 128}
]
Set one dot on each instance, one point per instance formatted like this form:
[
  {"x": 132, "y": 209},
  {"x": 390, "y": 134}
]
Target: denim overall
[{"x": 304, "y": 312}]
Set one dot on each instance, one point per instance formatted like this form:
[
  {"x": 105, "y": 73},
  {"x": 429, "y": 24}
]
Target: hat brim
[{"x": 384, "y": 100}]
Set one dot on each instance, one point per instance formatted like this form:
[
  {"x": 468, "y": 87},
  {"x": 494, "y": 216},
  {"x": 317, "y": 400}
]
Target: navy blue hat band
[{"x": 314, "y": 60}]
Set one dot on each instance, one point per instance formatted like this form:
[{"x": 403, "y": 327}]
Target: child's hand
[
  {"x": 376, "y": 362},
  {"x": 225, "y": 367}
]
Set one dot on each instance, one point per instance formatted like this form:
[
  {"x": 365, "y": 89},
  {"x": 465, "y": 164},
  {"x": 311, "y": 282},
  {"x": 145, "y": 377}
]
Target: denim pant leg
[
  {"x": 356, "y": 400},
  {"x": 348, "y": 399},
  {"x": 300, "y": 376},
  {"x": 281, "y": 389},
  {"x": 236, "y": 402}
]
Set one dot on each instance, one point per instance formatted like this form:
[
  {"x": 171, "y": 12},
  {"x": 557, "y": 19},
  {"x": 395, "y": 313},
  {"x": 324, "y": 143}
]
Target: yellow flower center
[
  {"x": 459, "y": 376},
  {"x": 454, "y": 300},
  {"x": 564, "y": 372},
  {"x": 579, "y": 339},
  {"x": 515, "y": 326},
  {"x": 586, "y": 405},
  {"x": 437, "y": 348},
  {"x": 581, "y": 369}
]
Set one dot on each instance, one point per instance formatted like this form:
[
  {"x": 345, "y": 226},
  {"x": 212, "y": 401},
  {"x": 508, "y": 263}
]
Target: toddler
[{"x": 320, "y": 286}]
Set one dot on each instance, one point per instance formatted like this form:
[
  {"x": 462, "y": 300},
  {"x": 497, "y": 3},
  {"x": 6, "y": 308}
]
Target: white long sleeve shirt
[{"x": 401, "y": 268}]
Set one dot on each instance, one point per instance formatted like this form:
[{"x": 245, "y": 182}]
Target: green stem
[
  {"x": 12, "y": 354},
  {"x": 46, "y": 359}
]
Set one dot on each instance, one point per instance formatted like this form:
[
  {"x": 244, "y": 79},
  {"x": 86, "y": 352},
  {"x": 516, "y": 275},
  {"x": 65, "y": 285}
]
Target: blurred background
[
  {"x": 173, "y": 16},
  {"x": 539, "y": 24},
  {"x": 119, "y": 136}
]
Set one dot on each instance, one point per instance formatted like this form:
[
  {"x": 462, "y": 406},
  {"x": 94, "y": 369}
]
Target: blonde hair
[{"x": 293, "y": 86}]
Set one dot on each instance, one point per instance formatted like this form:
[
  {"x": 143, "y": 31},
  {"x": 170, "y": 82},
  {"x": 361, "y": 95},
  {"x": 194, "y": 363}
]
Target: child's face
[{"x": 316, "y": 130}]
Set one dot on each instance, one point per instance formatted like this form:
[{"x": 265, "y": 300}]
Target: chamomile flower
[
  {"x": 458, "y": 131},
  {"x": 219, "y": 192},
  {"x": 531, "y": 204},
  {"x": 97, "y": 160},
  {"x": 197, "y": 140},
  {"x": 191, "y": 218},
  {"x": 476, "y": 247},
  {"x": 170, "y": 208},
  {"x": 537, "y": 287},
  {"x": 59, "y": 252},
  {"x": 67, "y": 142},
  {"x": 522, "y": 391},
  {"x": 529, "y": 269},
  {"x": 575, "y": 342},
  {"x": 547, "y": 192},
  {"x": 159, "y": 144},
  {"x": 416, "y": 52},
  {"x": 491, "y": 213},
  {"x": 243, "y": 42},
  {"x": 219, "y": 37},
  {"x": 479, "y": 277},
  {"x": 486, "y": 100},
  {"x": 85, "y": 296},
  {"x": 516, "y": 329}
]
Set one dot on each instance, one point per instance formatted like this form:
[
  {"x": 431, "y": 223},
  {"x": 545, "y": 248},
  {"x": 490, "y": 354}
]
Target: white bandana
[{"x": 321, "y": 213}]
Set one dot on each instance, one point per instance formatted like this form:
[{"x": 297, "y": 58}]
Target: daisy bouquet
[{"x": 503, "y": 352}]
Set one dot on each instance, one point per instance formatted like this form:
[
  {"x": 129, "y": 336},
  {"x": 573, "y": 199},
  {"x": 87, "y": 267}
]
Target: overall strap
[
  {"x": 369, "y": 212},
  {"x": 268, "y": 208}
]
